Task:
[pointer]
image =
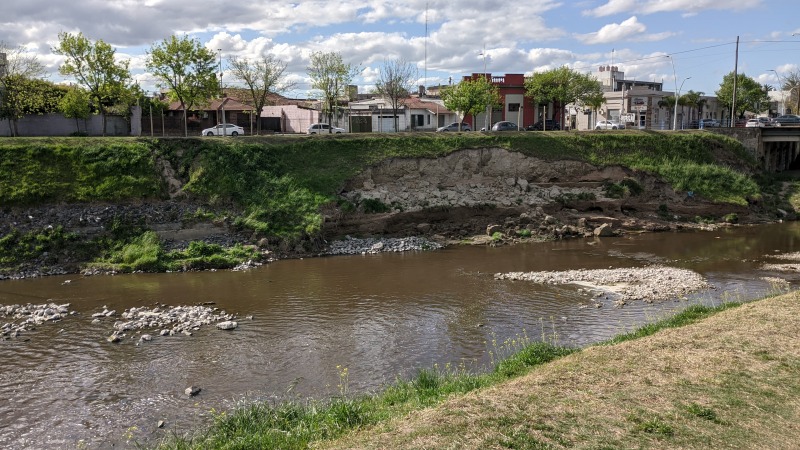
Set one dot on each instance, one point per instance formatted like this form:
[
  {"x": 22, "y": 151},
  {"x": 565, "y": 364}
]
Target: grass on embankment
[
  {"x": 724, "y": 377},
  {"x": 278, "y": 185}
]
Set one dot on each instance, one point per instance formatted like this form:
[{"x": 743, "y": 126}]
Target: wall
[
  {"x": 58, "y": 125},
  {"x": 293, "y": 118}
]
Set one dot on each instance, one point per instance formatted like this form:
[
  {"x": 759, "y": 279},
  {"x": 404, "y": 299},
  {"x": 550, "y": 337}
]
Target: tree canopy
[
  {"x": 395, "y": 83},
  {"x": 330, "y": 75},
  {"x": 16, "y": 96},
  {"x": 562, "y": 86},
  {"x": 750, "y": 95},
  {"x": 262, "y": 76},
  {"x": 95, "y": 68},
  {"x": 186, "y": 69},
  {"x": 471, "y": 96}
]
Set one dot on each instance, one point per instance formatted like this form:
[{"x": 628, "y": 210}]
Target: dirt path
[{"x": 730, "y": 381}]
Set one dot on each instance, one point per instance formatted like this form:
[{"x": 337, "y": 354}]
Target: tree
[
  {"x": 471, "y": 96},
  {"x": 693, "y": 101},
  {"x": 75, "y": 105},
  {"x": 594, "y": 101},
  {"x": 187, "y": 70},
  {"x": 21, "y": 67},
  {"x": 331, "y": 76},
  {"x": 791, "y": 83},
  {"x": 395, "y": 83},
  {"x": 561, "y": 86},
  {"x": 262, "y": 77},
  {"x": 94, "y": 67},
  {"x": 750, "y": 95}
]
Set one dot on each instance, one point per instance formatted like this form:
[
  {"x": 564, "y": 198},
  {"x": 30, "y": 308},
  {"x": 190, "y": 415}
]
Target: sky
[{"x": 445, "y": 39}]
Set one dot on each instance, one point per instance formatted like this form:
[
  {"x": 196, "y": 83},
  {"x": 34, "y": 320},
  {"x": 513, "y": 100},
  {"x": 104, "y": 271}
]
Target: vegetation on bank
[
  {"x": 303, "y": 424},
  {"x": 280, "y": 184}
]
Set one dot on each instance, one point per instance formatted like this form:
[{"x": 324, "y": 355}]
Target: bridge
[{"x": 775, "y": 148}]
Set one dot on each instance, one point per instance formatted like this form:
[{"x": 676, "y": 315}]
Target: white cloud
[
  {"x": 687, "y": 7},
  {"x": 614, "y": 32}
]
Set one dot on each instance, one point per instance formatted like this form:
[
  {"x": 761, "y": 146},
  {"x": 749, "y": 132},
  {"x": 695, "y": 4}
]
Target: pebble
[
  {"x": 355, "y": 246},
  {"x": 27, "y": 317},
  {"x": 168, "y": 320},
  {"x": 652, "y": 283}
]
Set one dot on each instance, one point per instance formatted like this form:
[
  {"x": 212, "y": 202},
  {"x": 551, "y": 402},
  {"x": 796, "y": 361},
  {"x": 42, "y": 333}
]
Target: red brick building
[{"x": 515, "y": 106}]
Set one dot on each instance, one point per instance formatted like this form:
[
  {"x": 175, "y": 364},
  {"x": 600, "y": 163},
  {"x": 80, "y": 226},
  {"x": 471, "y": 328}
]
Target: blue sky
[{"x": 519, "y": 37}]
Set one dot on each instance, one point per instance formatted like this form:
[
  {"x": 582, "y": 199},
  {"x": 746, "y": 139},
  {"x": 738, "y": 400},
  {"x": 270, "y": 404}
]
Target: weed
[
  {"x": 703, "y": 412},
  {"x": 524, "y": 233},
  {"x": 373, "y": 206}
]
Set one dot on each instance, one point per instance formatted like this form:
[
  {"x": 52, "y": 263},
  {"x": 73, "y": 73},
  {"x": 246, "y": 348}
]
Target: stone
[
  {"x": 550, "y": 220},
  {"x": 492, "y": 229},
  {"x": 604, "y": 230},
  {"x": 227, "y": 325},
  {"x": 191, "y": 391},
  {"x": 160, "y": 424},
  {"x": 146, "y": 338},
  {"x": 114, "y": 338}
]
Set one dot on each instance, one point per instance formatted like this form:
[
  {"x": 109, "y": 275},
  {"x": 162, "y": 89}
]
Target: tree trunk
[{"x": 185, "y": 123}]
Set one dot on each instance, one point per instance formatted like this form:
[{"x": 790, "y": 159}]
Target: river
[{"x": 381, "y": 316}]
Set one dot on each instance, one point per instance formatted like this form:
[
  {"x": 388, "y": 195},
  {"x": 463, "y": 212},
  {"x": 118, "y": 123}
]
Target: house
[
  {"x": 289, "y": 118},
  {"x": 222, "y": 110},
  {"x": 416, "y": 113},
  {"x": 515, "y": 106}
]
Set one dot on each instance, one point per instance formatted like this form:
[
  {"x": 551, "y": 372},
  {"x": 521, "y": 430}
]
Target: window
[{"x": 513, "y": 107}]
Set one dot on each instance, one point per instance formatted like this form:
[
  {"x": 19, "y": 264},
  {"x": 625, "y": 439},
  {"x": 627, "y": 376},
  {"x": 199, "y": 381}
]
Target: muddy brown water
[{"x": 381, "y": 316}]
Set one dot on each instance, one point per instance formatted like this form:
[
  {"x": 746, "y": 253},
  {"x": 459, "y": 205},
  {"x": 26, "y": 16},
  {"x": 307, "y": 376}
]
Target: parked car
[
  {"x": 704, "y": 123},
  {"x": 548, "y": 124},
  {"x": 505, "y": 126},
  {"x": 323, "y": 128},
  {"x": 455, "y": 127},
  {"x": 788, "y": 120},
  {"x": 608, "y": 125},
  {"x": 758, "y": 122},
  {"x": 224, "y": 129}
]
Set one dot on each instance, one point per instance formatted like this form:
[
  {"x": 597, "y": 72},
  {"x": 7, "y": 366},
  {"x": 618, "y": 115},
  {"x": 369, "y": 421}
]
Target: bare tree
[
  {"x": 331, "y": 76},
  {"x": 18, "y": 67},
  {"x": 263, "y": 76},
  {"x": 395, "y": 83}
]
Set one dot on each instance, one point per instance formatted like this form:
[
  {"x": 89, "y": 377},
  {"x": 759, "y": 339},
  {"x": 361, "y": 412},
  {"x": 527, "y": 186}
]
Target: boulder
[
  {"x": 227, "y": 325},
  {"x": 604, "y": 230},
  {"x": 492, "y": 229}
]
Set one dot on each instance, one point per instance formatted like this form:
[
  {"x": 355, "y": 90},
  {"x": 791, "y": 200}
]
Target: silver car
[
  {"x": 454, "y": 127},
  {"x": 608, "y": 125}
]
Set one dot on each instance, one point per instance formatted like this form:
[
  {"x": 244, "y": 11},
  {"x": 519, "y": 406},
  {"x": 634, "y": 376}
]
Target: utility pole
[{"x": 735, "y": 76}]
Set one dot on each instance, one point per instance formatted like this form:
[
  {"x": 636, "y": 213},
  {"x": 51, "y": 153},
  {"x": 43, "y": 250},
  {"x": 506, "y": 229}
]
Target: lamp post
[
  {"x": 675, "y": 110},
  {"x": 485, "y": 119},
  {"x": 221, "y": 100}
]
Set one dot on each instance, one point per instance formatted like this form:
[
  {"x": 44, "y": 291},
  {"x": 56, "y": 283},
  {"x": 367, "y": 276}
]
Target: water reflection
[{"x": 379, "y": 315}]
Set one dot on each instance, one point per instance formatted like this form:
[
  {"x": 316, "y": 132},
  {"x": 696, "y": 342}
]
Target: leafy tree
[
  {"x": 331, "y": 76},
  {"x": 21, "y": 67},
  {"x": 75, "y": 105},
  {"x": 594, "y": 101},
  {"x": 693, "y": 101},
  {"x": 187, "y": 70},
  {"x": 395, "y": 83},
  {"x": 471, "y": 96},
  {"x": 750, "y": 94},
  {"x": 94, "y": 67},
  {"x": 791, "y": 83},
  {"x": 262, "y": 77},
  {"x": 561, "y": 86}
]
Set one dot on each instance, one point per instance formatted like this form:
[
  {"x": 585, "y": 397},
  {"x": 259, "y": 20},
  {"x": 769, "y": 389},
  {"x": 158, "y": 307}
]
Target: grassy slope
[{"x": 729, "y": 381}]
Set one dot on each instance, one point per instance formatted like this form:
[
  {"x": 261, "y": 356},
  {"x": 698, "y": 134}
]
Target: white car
[
  {"x": 224, "y": 129},
  {"x": 758, "y": 122},
  {"x": 323, "y": 128},
  {"x": 608, "y": 125}
]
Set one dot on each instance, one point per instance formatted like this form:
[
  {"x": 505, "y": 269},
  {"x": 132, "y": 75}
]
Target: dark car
[
  {"x": 788, "y": 120},
  {"x": 505, "y": 126},
  {"x": 549, "y": 124}
]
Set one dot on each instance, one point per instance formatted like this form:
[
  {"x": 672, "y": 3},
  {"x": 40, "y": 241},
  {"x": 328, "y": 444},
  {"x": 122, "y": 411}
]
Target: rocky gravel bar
[
  {"x": 27, "y": 317},
  {"x": 652, "y": 283},
  {"x": 167, "y": 320},
  {"x": 355, "y": 246}
]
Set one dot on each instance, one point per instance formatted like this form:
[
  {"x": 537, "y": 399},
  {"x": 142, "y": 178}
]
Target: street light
[
  {"x": 485, "y": 119},
  {"x": 675, "y": 111},
  {"x": 221, "y": 100}
]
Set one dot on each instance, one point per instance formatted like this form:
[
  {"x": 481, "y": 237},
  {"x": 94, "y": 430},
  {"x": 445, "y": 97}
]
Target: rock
[
  {"x": 604, "y": 230},
  {"x": 424, "y": 228},
  {"x": 550, "y": 220},
  {"x": 492, "y": 229},
  {"x": 191, "y": 391},
  {"x": 114, "y": 338},
  {"x": 160, "y": 424},
  {"x": 146, "y": 338},
  {"x": 227, "y": 325}
]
